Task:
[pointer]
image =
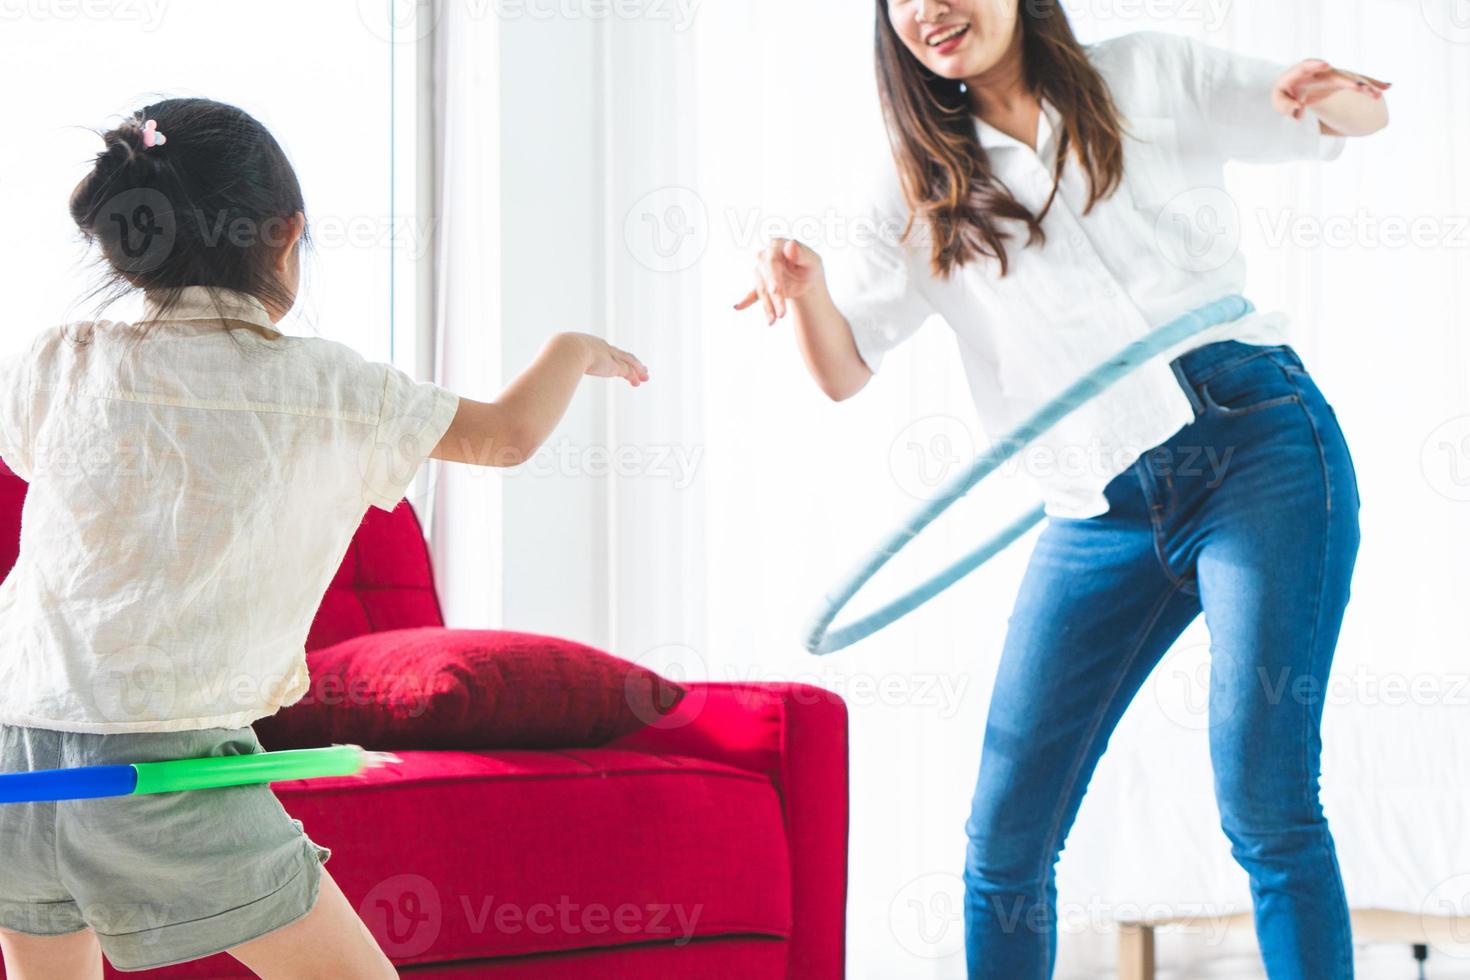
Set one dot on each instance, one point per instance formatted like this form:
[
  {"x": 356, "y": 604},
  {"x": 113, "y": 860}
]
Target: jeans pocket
[{"x": 1252, "y": 386}]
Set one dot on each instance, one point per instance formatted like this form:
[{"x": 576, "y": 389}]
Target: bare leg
[
  {"x": 74, "y": 956},
  {"x": 329, "y": 941}
]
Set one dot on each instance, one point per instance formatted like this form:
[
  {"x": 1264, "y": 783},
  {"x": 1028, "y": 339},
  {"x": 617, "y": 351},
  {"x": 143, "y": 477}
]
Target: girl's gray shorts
[{"x": 164, "y": 878}]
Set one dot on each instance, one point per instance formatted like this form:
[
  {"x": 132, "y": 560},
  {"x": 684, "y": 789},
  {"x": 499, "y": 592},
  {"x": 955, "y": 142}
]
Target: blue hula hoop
[{"x": 822, "y": 638}]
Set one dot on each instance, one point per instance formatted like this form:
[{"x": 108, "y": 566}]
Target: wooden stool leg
[{"x": 1135, "y": 951}]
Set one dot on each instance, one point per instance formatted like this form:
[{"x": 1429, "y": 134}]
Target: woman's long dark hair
[
  {"x": 946, "y": 174},
  {"x": 209, "y": 207}
]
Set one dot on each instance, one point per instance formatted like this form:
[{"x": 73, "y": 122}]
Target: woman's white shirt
[{"x": 1165, "y": 243}]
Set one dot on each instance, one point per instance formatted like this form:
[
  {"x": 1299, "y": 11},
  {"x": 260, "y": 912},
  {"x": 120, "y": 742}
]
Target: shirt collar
[
  {"x": 1046, "y": 125},
  {"x": 207, "y": 303}
]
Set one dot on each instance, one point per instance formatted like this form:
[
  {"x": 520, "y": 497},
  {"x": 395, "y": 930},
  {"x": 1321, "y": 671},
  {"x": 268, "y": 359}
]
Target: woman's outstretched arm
[
  {"x": 789, "y": 278},
  {"x": 1346, "y": 103}
]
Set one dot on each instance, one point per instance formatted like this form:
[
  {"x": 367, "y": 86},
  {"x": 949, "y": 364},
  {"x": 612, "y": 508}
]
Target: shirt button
[{"x": 1078, "y": 238}]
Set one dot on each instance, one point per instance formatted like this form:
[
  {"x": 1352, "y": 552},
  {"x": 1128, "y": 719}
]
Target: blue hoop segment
[{"x": 822, "y": 638}]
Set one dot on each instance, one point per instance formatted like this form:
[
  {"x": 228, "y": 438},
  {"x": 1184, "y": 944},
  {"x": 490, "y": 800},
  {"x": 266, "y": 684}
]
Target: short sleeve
[
  {"x": 1233, "y": 92},
  {"x": 413, "y": 418},
  {"x": 15, "y": 411},
  {"x": 875, "y": 279}
]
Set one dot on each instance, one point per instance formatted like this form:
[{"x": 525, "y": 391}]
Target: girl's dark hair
[
  {"x": 946, "y": 174},
  {"x": 209, "y": 207}
]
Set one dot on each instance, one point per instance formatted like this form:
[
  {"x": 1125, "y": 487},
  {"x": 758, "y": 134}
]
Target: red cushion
[
  {"x": 437, "y": 688},
  {"x": 458, "y": 855},
  {"x": 385, "y": 581},
  {"x": 12, "y": 499}
]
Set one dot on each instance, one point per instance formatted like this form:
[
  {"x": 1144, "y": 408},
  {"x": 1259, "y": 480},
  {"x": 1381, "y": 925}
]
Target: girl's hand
[
  {"x": 606, "y": 361},
  {"x": 1309, "y": 82},
  {"x": 784, "y": 270}
]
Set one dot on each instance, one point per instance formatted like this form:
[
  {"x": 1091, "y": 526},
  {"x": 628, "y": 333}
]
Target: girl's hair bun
[
  {"x": 212, "y": 207},
  {"x": 124, "y": 164}
]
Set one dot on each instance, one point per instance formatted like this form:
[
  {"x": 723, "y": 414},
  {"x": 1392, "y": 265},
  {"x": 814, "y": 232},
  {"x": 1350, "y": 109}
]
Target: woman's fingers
[
  {"x": 774, "y": 279},
  {"x": 1300, "y": 73},
  {"x": 766, "y": 302},
  {"x": 780, "y": 269},
  {"x": 778, "y": 276},
  {"x": 638, "y": 373},
  {"x": 792, "y": 251}
]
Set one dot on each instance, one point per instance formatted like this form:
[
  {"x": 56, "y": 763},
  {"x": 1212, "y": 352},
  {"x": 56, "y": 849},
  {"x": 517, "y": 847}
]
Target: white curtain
[
  {"x": 464, "y": 516},
  {"x": 702, "y": 131}
]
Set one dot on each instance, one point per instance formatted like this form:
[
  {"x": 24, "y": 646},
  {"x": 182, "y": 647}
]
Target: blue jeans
[{"x": 1249, "y": 514}]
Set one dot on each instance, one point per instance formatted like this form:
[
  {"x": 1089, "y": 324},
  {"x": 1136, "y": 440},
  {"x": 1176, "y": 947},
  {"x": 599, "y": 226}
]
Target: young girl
[
  {"x": 1064, "y": 200},
  {"x": 195, "y": 479}
]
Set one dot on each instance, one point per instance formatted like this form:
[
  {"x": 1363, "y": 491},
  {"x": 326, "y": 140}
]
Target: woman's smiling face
[{"x": 959, "y": 39}]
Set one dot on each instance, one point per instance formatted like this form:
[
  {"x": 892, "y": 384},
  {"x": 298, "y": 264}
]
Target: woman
[{"x": 1053, "y": 202}]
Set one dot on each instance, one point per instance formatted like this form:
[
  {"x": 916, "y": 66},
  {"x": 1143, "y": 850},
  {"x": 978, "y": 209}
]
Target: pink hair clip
[{"x": 151, "y": 135}]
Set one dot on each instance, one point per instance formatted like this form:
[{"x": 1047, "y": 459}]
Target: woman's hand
[
  {"x": 606, "y": 361},
  {"x": 784, "y": 270},
  {"x": 1310, "y": 82}
]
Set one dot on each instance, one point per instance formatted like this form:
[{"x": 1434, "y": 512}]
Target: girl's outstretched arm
[{"x": 509, "y": 430}]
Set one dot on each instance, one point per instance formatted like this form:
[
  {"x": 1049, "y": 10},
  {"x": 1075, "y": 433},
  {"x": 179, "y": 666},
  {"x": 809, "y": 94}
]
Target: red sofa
[{"x": 713, "y": 845}]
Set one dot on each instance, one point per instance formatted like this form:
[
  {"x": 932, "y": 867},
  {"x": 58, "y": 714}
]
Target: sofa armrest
[{"x": 796, "y": 735}]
